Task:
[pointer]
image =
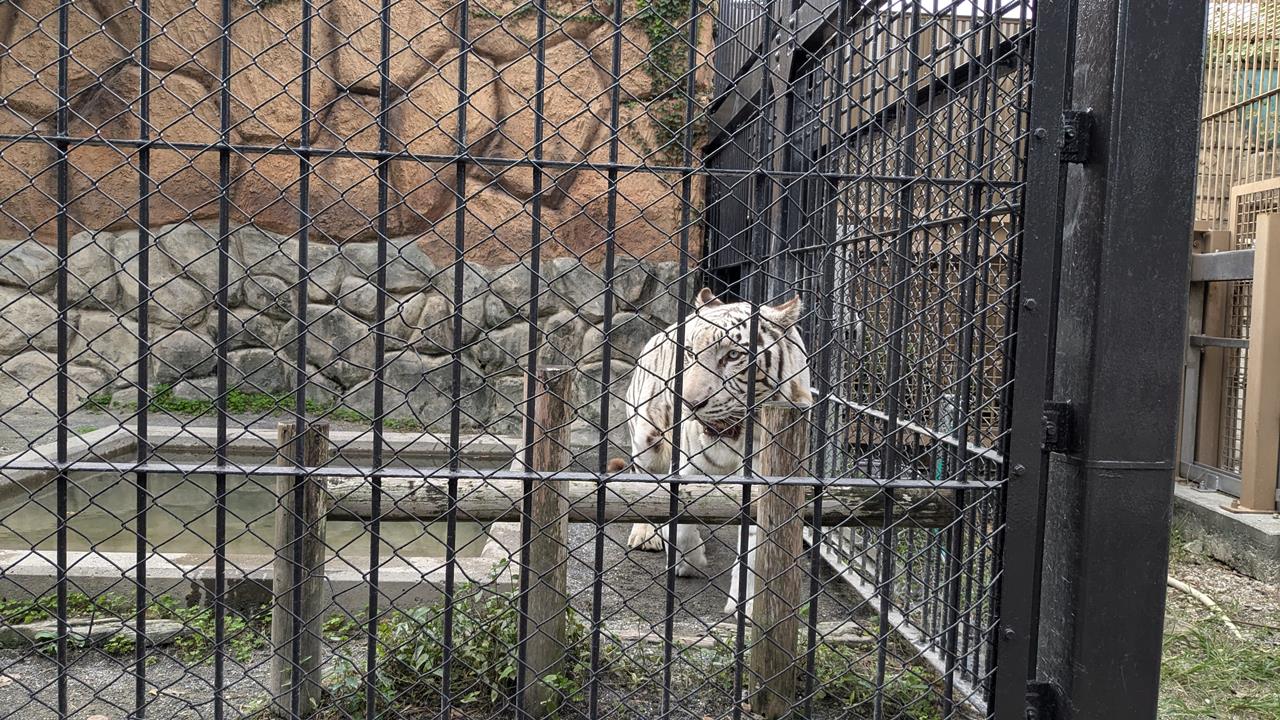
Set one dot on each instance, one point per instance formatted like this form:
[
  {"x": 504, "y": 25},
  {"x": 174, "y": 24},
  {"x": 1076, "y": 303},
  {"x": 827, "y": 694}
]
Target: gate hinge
[
  {"x": 1077, "y": 132},
  {"x": 1042, "y": 701},
  {"x": 1059, "y": 426}
]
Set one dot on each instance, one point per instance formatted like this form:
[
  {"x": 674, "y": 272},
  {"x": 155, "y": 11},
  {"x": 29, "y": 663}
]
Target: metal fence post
[{"x": 1121, "y": 324}]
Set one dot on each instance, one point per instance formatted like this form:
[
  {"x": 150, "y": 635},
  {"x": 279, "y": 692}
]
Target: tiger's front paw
[{"x": 645, "y": 537}]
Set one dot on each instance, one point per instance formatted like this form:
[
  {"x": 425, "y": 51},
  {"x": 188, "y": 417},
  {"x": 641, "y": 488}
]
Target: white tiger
[{"x": 714, "y": 392}]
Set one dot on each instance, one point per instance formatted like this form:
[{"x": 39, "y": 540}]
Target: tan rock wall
[{"x": 422, "y": 118}]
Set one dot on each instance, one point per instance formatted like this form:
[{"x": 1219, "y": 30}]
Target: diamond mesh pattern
[{"x": 318, "y": 320}]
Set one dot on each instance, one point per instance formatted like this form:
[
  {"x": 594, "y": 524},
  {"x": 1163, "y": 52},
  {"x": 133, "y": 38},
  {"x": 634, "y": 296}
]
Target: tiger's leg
[
  {"x": 731, "y": 605},
  {"x": 654, "y": 455},
  {"x": 691, "y": 552}
]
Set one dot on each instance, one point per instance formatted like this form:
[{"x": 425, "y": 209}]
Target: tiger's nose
[{"x": 696, "y": 404}]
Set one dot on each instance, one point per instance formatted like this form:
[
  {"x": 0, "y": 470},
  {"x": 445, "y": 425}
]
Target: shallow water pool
[{"x": 181, "y": 519}]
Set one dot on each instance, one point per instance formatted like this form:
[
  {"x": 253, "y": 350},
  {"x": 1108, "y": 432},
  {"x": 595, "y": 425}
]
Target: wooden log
[
  {"x": 1260, "y": 441},
  {"x": 775, "y": 610},
  {"x": 498, "y": 500},
  {"x": 544, "y": 633},
  {"x": 304, "y": 621}
]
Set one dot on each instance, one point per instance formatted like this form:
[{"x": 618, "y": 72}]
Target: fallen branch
[{"x": 1208, "y": 602}]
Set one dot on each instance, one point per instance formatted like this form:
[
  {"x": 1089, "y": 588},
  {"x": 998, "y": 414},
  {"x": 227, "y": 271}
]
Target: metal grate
[
  {"x": 1240, "y": 107},
  {"x": 323, "y": 322}
]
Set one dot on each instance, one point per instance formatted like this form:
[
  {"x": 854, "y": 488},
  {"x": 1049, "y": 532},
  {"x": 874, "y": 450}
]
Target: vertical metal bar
[
  {"x": 379, "y": 363},
  {"x": 221, "y": 350},
  {"x": 908, "y": 167},
  {"x": 951, "y": 611},
  {"x": 300, "y": 371},
  {"x": 766, "y": 128},
  {"x": 455, "y": 411},
  {"x": 884, "y": 589},
  {"x": 955, "y": 641},
  {"x": 1036, "y": 278},
  {"x": 682, "y": 314},
  {"x": 1109, "y": 541},
  {"x": 141, "y": 497},
  {"x": 64, "y": 334},
  {"x": 606, "y": 330},
  {"x": 1012, "y": 260}
]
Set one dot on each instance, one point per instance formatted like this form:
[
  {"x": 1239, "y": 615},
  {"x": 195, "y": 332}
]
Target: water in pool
[{"x": 101, "y": 510}]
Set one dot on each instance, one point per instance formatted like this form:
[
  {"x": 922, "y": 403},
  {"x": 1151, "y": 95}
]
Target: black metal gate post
[{"x": 1120, "y": 323}]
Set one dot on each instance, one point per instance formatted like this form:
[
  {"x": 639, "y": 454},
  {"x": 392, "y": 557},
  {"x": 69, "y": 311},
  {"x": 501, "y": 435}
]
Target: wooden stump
[
  {"x": 305, "y": 623},
  {"x": 545, "y": 581},
  {"x": 775, "y": 617}
]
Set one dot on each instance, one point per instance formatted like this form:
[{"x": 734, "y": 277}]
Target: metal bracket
[
  {"x": 1077, "y": 132},
  {"x": 1042, "y": 701},
  {"x": 1059, "y": 426}
]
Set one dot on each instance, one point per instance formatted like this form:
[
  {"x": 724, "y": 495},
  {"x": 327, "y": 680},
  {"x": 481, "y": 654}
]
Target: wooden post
[
  {"x": 1217, "y": 297},
  {"x": 1261, "y": 440},
  {"x": 285, "y": 622},
  {"x": 545, "y": 581},
  {"x": 775, "y": 612}
]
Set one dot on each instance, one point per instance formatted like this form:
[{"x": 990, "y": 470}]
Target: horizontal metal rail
[
  {"x": 1212, "y": 341},
  {"x": 155, "y": 467},
  {"x": 1222, "y": 266}
]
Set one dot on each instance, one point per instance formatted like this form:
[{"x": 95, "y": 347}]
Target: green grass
[
  {"x": 245, "y": 403},
  {"x": 1206, "y": 673},
  {"x": 1209, "y": 675},
  {"x": 245, "y": 633}
]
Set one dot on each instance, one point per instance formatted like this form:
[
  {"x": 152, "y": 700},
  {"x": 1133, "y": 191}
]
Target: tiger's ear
[
  {"x": 706, "y": 298},
  {"x": 788, "y": 313}
]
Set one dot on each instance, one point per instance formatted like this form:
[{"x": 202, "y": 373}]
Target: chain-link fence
[{"x": 353, "y": 361}]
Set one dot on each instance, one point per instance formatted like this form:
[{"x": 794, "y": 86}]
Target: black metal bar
[
  {"x": 64, "y": 337},
  {"x": 769, "y": 128},
  {"x": 455, "y": 410},
  {"x": 677, "y": 410},
  {"x": 220, "y": 351},
  {"x": 826, "y": 317},
  {"x": 141, "y": 498},
  {"x": 495, "y": 164},
  {"x": 1036, "y": 278},
  {"x": 1106, "y": 548},
  {"x": 1008, "y": 371},
  {"x": 158, "y": 467},
  {"x": 379, "y": 363},
  {"x": 300, "y": 529}
]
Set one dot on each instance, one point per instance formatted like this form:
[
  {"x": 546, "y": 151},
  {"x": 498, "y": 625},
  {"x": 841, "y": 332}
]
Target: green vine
[{"x": 665, "y": 23}]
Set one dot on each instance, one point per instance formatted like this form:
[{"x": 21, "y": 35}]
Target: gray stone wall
[{"x": 341, "y": 316}]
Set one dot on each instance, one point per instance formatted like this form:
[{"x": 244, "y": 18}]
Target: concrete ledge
[
  {"x": 1249, "y": 544},
  {"x": 402, "y": 582}
]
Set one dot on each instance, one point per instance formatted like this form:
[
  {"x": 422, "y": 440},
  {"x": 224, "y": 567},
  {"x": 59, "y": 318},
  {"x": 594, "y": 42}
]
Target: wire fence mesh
[{"x": 353, "y": 361}]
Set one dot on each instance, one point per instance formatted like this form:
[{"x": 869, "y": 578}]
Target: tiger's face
[{"x": 717, "y": 360}]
